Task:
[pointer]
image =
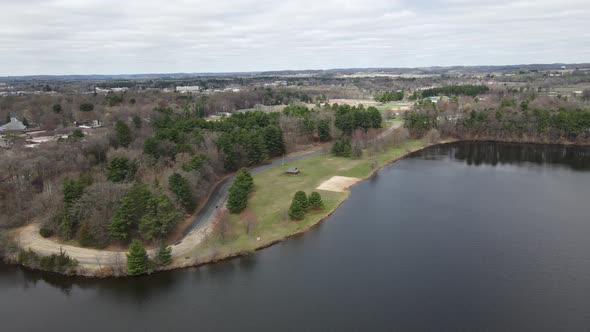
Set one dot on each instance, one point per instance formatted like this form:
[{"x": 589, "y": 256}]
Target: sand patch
[{"x": 338, "y": 183}]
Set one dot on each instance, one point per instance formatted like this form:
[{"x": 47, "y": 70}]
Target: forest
[{"x": 510, "y": 120}]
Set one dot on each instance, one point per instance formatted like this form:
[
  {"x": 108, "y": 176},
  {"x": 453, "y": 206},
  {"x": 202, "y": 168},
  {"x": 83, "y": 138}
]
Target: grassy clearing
[
  {"x": 393, "y": 105},
  {"x": 274, "y": 191}
]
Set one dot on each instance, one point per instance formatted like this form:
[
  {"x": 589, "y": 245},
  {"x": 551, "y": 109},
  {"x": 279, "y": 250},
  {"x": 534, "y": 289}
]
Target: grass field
[
  {"x": 394, "y": 106},
  {"x": 272, "y": 197}
]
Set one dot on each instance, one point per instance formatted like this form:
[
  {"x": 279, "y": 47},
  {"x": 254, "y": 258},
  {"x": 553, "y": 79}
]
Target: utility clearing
[{"x": 338, "y": 183}]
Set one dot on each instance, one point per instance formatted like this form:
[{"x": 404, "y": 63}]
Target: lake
[{"x": 464, "y": 236}]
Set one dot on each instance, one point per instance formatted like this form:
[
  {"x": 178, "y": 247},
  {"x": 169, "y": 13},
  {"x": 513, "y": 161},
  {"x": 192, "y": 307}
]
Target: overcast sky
[{"x": 144, "y": 36}]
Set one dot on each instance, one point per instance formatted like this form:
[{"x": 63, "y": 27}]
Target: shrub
[
  {"x": 86, "y": 107},
  {"x": 45, "y": 232}
]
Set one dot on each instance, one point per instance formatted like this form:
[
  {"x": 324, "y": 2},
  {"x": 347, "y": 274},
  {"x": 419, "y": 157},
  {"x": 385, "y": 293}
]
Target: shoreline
[
  {"x": 178, "y": 263},
  {"x": 301, "y": 231}
]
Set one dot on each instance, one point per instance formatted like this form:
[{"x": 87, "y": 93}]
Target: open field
[
  {"x": 272, "y": 196},
  {"x": 395, "y": 106},
  {"x": 355, "y": 102}
]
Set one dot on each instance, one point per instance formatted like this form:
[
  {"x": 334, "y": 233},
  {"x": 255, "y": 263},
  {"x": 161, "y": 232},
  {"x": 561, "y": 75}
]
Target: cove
[{"x": 461, "y": 236}]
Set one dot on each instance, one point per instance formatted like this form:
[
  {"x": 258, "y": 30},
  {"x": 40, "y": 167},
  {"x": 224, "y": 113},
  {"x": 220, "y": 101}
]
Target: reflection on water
[{"x": 492, "y": 153}]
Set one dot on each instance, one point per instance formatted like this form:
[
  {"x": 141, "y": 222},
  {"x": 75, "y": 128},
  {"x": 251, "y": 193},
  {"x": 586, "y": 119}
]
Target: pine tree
[
  {"x": 123, "y": 219},
  {"x": 123, "y": 133},
  {"x": 243, "y": 184},
  {"x": 237, "y": 199},
  {"x": 137, "y": 121},
  {"x": 85, "y": 236},
  {"x": 181, "y": 188},
  {"x": 118, "y": 169},
  {"x": 244, "y": 179},
  {"x": 315, "y": 201},
  {"x": 164, "y": 255},
  {"x": 273, "y": 137},
  {"x": 255, "y": 147},
  {"x": 130, "y": 211},
  {"x": 374, "y": 117},
  {"x": 302, "y": 199},
  {"x": 295, "y": 210},
  {"x": 137, "y": 258},
  {"x": 324, "y": 130},
  {"x": 160, "y": 217}
]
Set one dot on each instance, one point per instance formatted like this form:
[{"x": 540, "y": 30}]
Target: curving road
[{"x": 92, "y": 259}]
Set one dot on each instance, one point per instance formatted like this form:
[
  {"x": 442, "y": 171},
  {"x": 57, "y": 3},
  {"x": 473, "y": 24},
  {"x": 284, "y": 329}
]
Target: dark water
[{"x": 461, "y": 237}]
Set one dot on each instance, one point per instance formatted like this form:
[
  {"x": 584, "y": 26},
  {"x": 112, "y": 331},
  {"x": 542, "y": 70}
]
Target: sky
[{"x": 58, "y": 37}]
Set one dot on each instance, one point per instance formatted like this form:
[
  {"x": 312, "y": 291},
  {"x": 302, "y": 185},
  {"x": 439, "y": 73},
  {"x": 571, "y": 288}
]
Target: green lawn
[
  {"x": 393, "y": 105},
  {"x": 274, "y": 191}
]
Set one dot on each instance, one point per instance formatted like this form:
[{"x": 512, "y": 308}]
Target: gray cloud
[{"x": 132, "y": 36}]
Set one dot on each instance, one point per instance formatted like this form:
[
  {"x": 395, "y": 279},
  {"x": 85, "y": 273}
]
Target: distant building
[
  {"x": 293, "y": 171},
  {"x": 188, "y": 88},
  {"x": 13, "y": 125},
  {"x": 89, "y": 124}
]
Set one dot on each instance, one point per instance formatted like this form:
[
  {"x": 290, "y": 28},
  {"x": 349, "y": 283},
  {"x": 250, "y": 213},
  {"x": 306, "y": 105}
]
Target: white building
[
  {"x": 13, "y": 125},
  {"x": 188, "y": 88}
]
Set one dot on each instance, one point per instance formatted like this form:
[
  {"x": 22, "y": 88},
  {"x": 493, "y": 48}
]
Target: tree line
[
  {"x": 454, "y": 90},
  {"x": 388, "y": 96}
]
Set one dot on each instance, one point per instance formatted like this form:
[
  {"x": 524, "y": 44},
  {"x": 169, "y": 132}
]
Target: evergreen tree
[
  {"x": 342, "y": 148},
  {"x": 315, "y": 201},
  {"x": 86, "y": 107},
  {"x": 238, "y": 192},
  {"x": 374, "y": 117},
  {"x": 76, "y": 135},
  {"x": 73, "y": 190},
  {"x": 181, "y": 188},
  {"x": 130, "y": 211},
  {"x": 237, "y": 199},
  {"x": 160, "y": 217},
  {"x": 324, "y": 130},
  {"x": 123, "y": 133},
  {"x": 57, "y": 108},
  {"x": 118, "y": 169},
  {"x": 85, "y": 236},
  {"x": 302, "y": 199},
  {"x": 255, "y": 147},
  {"x": 123, "y": 219},
  {"x": 244, "y": 179},
  {"x": 137, "y": 258},
  {"x": 295, "y": 210},
  {"x": 273, "y": 137},
  {"x": 66, "y": 224},
  {"x": 164, "y": 255},
  {"x": 137, "y": 121}
]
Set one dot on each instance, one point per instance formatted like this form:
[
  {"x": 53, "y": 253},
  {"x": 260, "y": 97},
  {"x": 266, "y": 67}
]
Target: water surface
[{"x": 467, "y": 236}]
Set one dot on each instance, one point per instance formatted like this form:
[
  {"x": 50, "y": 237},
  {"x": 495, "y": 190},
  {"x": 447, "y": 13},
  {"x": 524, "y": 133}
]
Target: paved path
[{"x": 92, "y": 259}]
